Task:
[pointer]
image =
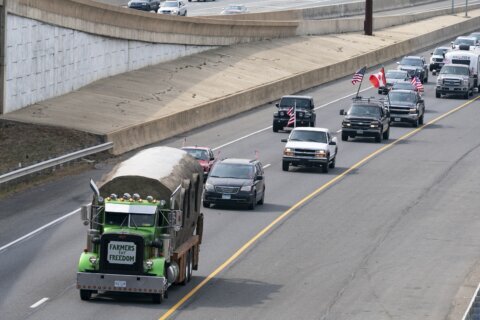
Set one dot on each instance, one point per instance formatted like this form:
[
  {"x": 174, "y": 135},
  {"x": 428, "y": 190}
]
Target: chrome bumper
[{"x": 121, "y": 282}]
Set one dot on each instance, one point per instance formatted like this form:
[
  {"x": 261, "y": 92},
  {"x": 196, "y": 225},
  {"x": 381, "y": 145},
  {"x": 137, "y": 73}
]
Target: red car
[{"x": 204, "y": 155}]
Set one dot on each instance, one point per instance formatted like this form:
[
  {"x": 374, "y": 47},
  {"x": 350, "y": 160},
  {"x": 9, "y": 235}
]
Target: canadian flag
[{"x": 378, "y": 79}]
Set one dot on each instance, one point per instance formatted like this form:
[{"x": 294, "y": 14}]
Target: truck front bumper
[
  {"x": 121, "y": 282},
  {"x": 309, "y": 162},
  {"x": 410, "y": 118},
  {"x": 300, "y": 122},
  {"x": 352, "y": 132},
  {"x": 451, "y": 90}
]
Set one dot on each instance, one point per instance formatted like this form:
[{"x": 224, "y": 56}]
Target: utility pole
[
  {"x": 466, "y": 8},
  {"x": 368, "y": 24},
  {"x": 453, "y": 6}
]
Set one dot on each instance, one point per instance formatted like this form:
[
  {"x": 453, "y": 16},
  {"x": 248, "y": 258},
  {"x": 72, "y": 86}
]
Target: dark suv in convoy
[
  {"x": 367, "y": 117},
  {"x": 407, "y": 106},
  {"x": 305, "y": 114},
  {"x": 415, "y": 66},
  {"x": 235, "y": 181}
]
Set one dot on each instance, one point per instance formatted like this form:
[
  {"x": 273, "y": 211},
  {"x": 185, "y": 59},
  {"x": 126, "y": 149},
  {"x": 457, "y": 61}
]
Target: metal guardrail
[{"x": 54, "y": 162}]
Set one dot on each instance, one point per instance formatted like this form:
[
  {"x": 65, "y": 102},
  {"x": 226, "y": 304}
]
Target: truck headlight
[
  {"x": 275, "y": 114},
  {"x": 282, "y": 113},
  {"x": 412, "y": 110},
  {"x": 246, "y": 188},
  {"x": 320, "y": 154},
  {"x": 346, "y": 124},
  {"x": 374, "y": 125},
  {"x": 300, "y": 114},
  {"x": 93, "y": 260},
  {"x": 149, "y": 264},
  {"x": 289, "y": 152},
  {"x": 209, "y": 187},
  {"x": 439, "y": 80},
  {"x": 465, "y": 82}
]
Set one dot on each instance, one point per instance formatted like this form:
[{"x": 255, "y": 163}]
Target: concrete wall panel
[{"x": 44, "y": 61}]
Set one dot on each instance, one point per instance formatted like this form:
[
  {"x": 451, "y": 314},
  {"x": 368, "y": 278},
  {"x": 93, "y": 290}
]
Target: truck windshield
[
  {"x": 396, "y": 75},
  {"x": 304, "y": 135},
  {"x": 412, "y": 62},
  {"x": 130, "y": 220},
  {"x": 292, "y": 102},
  {"x": 440, "y": 51},
  {"x": 402, "y": 97},
  {"x": 364, "y": 111},
  {"x": 469, "y": 42},
  {"x": 454, "y": 70}
]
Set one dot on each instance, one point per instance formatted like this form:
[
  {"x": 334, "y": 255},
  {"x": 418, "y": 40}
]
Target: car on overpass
[
  {"x": 234, "y": 9},
  {"x": 310, "y": 147},
  {"x": 173, "y": 7},
  {"x": 235, "y": 182},
  {"x": 144, "y": 5}
]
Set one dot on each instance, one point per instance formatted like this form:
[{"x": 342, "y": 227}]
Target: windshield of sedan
[
  {"x": 292, "y": 102},
  {"x": 304, "y": 135},
  {"x": 412, "y": 62},
  {"x": 461, "y": 41},
  {"x": 170, "y": 4},
  {"x": 402, "y": 97},
  {"x": 364, "y": 111},
  {"x": 395, "y": 75},
  {"x": 232, "y": 170},
  {"x": 439, "y": 51},
  {"x": 454, "y": 70},
  {"x": 129, "y": 220},
  {"x": 198, "y": 154}
]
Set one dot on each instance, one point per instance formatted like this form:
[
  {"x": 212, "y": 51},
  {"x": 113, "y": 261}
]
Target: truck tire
[
  {"x": 416, "y": 123},
  {"x": 466, "y": 95},
  {"x": 262, "y": 200},
  {"x": 206, "y": 204},
  {"x": 285, "y": 165},
  {"x": 85, "y": 295},
  {"x": 275, "y": 128},
  {"x": 344, "y": 137},
  {"x": 386, "y": 134},
  {"x": 378, "y": 137},
  {"x": 332, "y": 163},
  {"x": 421, "y": 119},
  {"x": 325, "y": 168},
  {"x": 157, "y": 298},
  {"x": 251, "y": 206},
  {"x": 188, "y": 268},
  {"x": 438, "y": 94}
]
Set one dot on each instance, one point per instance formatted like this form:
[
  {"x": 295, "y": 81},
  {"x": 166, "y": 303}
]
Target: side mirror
[
  {"x": 420, "y": 101},
  {"x": 284, "y": 140},
  {"x": 332, "y": 143},
  {"x": 259, "y": 177},
  {"x": 431, "y": 53},
  {"x": 434, "y": 72},
  {"x": 85, "y": 212},
  {"x": 277, "y": 105},
  {"x": 342, "y": 112}
]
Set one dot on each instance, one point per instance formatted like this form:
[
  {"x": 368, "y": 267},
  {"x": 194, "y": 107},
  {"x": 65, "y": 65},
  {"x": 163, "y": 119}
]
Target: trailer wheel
[
  {"x": 85, "y": 294},
  {"x": 188, "y": 268},
  {"x": 157, "y": 297}
]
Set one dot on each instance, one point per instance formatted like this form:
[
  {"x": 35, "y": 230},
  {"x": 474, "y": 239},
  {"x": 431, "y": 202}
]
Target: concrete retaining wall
[
  {"x": 154, "y": 131},
  {"x": 335, "y": 26},
  {"x": 45, "y": 61}
]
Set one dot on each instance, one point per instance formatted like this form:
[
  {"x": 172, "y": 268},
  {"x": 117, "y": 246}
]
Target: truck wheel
[
  {"x": 285, "y": 165},
  {"x": 188, "y": 268},
  {"x": 261, "y": 201},
  {"x": 421, "y": 119},
  {"x": 251, "y": 206},
  {"x": 85, "y": 294},
  {"x": 438, "y": 94},
  {"x": 344, "y": 137},
  {"x": 325, "y": 168},
  {"x": 466, "y": 95},
  {"x": 332, "y": 163},
  {"x": 275, "y": 128},
  {"x": 378, "y": 138},
  {"x": 415, "y": 124},
  {"x": 157, "y": 298},
  {"x": 206, "y": 204},
  {"x": 386, "y": 134}
]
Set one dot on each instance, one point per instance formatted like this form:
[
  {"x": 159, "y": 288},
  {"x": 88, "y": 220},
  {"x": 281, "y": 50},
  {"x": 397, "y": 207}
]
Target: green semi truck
[{"x": 144, "y": 225}]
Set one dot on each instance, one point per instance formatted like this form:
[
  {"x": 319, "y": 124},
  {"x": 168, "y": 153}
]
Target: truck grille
[
  {"x": 395, "y": 110},
  {"x": 355, "y": 124},
  {"x": 438, "y": 59},
  {"x": 452, "y": 82},
  {"x": 231, "y": 190},
  {"x": 305, "y": 153},
  {"x": 121, "y": 254},
  {"x": 410, "y": 72}
]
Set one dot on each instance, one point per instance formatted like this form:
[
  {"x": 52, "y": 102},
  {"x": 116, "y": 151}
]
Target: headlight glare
[
  {"x": 209, "y": 187},
  {"x": 246, "y": 188},
  {"x": 289, "y": 152},
  {"x": 320, "y": 154}
]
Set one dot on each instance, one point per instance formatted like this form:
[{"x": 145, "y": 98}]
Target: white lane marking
[
  {"x": 269, "y": 127},
  {"x": 39, "y": 229},
  {"x": 38, "y": 303},
  {"x": 266, "y": 166},
  {"x": 219, "y": 147}
]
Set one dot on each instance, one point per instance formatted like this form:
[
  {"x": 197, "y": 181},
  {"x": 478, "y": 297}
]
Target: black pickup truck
[
  {"x": 304, "y": 116},
  {"x": 367, "y": 117}
]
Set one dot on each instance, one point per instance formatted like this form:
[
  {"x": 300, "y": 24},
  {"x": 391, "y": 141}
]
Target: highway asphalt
[
  {"x": 196, "y": 8},
  {"x": 394, "y": 237}
]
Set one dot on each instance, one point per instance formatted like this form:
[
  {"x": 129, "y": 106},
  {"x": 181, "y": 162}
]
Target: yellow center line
[{"x": 300, "y": 203}]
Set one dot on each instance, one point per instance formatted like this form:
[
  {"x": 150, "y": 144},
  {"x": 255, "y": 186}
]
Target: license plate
[
  {"x": 120, "y": 284},
  {"x": 359, "y": 131},
  {"x": 397, "y": 119},
  {"x": 226, "y": 196}
]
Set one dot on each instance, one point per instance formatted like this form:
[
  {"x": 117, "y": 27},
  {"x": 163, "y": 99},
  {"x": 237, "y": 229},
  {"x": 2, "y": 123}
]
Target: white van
[{"x": 469, "y": 58}]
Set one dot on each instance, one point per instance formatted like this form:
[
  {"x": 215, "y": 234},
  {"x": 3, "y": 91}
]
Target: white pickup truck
[{"x": 310, "y": 147}]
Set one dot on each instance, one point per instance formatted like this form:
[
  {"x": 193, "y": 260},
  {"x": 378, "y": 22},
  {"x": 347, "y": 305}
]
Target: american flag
[
  {"x": 417, "y": 84},
  {"x": 358, "y": 76},
  {"x": 291, "y": 114}
]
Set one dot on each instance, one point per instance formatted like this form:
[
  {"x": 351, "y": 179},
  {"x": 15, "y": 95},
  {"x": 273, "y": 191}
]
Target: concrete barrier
[
  {"x": 159, "y": 129},
  {"x": 326, "y": 11},
  {"x": 123, "y": 23},
  {"x": 344, "y": 25}
]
